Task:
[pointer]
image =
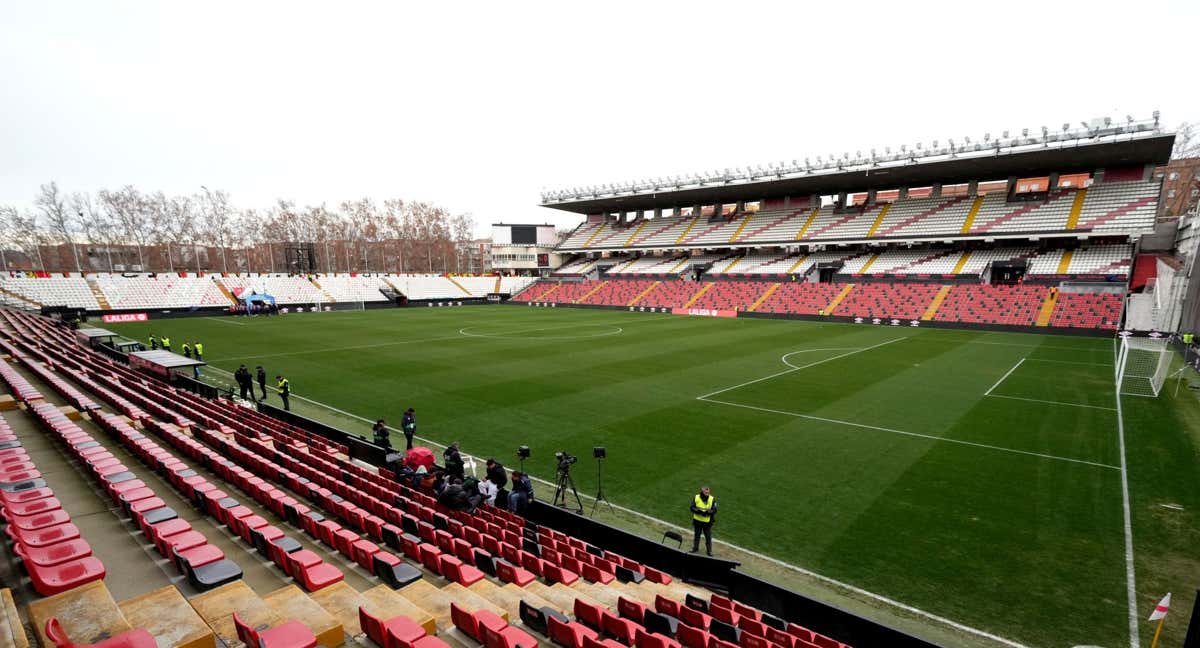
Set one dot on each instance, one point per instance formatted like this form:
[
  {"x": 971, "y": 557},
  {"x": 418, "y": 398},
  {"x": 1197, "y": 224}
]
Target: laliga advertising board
[
  {"x": 704, "y": 312},
  {"x": 124, "y": 317}
]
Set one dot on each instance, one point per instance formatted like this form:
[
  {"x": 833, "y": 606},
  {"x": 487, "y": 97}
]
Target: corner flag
[
  {"x": 1159, "y": 614},
  {"x": 1161, "y": 610}
]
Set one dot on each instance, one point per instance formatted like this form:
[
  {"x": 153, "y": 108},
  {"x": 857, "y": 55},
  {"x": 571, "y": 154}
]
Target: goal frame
[{"x": 1141, "y": 365}]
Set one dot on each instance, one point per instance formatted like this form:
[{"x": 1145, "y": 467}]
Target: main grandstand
[{"x": 1037, "y": 232}]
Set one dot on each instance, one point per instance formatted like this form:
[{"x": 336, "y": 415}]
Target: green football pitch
[{"x": 976, "y": 476}]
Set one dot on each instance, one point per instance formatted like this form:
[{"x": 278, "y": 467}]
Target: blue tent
[{"x": 256, "y": 298}]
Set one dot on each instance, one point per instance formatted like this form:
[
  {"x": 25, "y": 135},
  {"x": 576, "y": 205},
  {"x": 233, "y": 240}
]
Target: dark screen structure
[{"x": 524, "y": 235}]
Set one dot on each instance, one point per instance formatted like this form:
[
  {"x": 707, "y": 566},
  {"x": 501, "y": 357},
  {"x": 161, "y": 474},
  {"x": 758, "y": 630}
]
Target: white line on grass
[
  {"x": 1050, "y": 402},
  {"x": 797, "y": 368},
  {"x": 910, "y": 434},
  {"x": 1131, "y": 588},
  {"x": 1006, "y": 375},
  {"x": 225, "y": 320},
  {"x": 774, "y": 561},
  {"x": 1073, "y": 362},
  {"x": 399, "y": 342}
]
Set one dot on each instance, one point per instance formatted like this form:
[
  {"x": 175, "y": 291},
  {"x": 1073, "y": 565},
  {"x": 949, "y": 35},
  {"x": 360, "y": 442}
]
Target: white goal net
[{"x": 1142, "y": 365}]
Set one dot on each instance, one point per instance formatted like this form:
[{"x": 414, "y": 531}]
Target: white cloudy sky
[{"x": 479, "y": 106}]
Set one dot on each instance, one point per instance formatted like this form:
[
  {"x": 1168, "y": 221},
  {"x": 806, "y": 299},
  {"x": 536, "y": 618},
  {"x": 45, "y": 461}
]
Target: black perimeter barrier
[{"x": 359, "y": 447}]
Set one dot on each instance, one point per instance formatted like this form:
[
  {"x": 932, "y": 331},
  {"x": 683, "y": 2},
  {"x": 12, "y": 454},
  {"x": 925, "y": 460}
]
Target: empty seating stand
[{"x": 52, "y": 552}]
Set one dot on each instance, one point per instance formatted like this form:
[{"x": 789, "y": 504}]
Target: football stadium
[{"x": 916, "y": 396}]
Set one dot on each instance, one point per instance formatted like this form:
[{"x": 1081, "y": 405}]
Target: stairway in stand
[
  {"x": 328, "y": 297},
  {"x": 460, "y": 286},
  {"x": 1047, "y": 310},
  {"x": 225, "y": 291},
  {"x": 99, "y": 295}
]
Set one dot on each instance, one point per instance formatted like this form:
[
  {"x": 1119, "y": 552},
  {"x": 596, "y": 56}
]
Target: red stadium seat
[
  {"x": 136, "y": 638},
  {"x": 291, "y": 634}
]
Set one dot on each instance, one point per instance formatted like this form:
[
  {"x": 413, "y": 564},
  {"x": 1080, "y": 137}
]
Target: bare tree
[
  {"x": 28, "y": 235},
  {"x": 130, "y": 209},
  {"x": 217, "y": 215},
  {"x": 177, "y": 222},
  {"x": 8, "y": 232},
  {"x": 1187, "y": 141},
  {"x": 97, "y": 225},
  {"x": 53, "y": 206}
]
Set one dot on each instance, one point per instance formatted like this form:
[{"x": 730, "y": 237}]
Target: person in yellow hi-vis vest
[
  {"x": 704, "y": 513},
  {"x": 284, "y": 389}
]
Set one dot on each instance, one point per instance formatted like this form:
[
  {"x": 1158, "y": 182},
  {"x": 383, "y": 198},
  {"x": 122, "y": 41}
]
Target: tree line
[{"x": 131, "y": 229}]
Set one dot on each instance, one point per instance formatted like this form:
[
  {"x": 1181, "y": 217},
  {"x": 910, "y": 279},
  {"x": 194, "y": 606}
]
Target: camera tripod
[
  {"x": 600, "y": 488},
  {"x": 560, "y": 493}
]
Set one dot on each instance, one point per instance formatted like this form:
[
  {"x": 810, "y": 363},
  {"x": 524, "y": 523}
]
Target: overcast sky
[{"x": 479, "y": 106}]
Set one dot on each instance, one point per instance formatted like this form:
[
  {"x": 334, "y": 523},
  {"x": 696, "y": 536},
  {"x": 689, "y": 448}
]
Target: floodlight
[
  {"x": 1005, "y": 135},
  {"x": 1084, "y": 124},
  {"x": 1024, "y": 132},
  {"x": 1045, "y": 131},
  {"x": 1066, "y": 127},
  {"x": 1108, "y": 121},
  {"x": 1129, "y": 118}
]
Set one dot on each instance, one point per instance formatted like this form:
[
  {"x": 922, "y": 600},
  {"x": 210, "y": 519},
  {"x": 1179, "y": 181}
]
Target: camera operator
[
  {"x": 496, "y": 473},
  {"x": 453, "y": 461},
  {"x": 381, "y": 435},
  {"x": 522, "y": 492}
]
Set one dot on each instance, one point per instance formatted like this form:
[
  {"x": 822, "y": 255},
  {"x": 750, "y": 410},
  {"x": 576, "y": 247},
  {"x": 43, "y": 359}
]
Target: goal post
[{"x": 1142, "y": 365}]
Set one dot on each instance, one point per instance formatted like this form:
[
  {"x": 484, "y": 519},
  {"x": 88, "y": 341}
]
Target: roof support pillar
[
  {"x": 973, "y": 188},
  {"x": 1053, "y": 184},
  {"x": 936, "y": 191}
]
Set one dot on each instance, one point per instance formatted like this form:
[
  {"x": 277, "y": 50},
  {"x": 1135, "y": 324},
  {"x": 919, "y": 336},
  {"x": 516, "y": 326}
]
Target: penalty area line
[
  {"x": 1050, "y": 402},
  {"x": 1006, "y": 375},
  {"x": 794, "y": 368}
]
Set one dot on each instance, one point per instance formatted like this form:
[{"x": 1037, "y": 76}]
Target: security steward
[
  {"x": 261, "y": 375},
  {"x": 283, "y": 388},
  {"x": 244, "y": 382},
  {"x": 187, "y": 349},
  {"x": 199, "y": 350},
  {"x": 166, "y": 343},
  {"x": 153, "y": 342},
  {"x": 704, "y": 513}
]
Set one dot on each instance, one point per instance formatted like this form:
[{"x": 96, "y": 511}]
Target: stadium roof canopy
[{"x": 1083, "y": 150}]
